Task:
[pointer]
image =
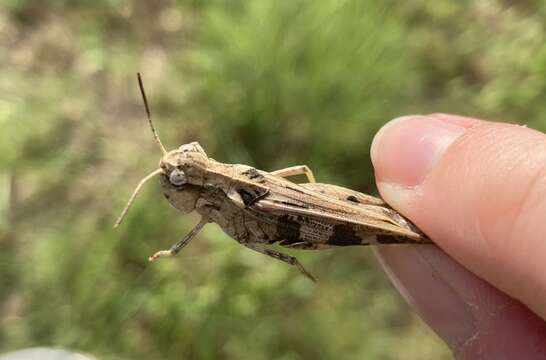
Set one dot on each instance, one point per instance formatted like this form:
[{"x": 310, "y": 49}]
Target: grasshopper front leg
[
  {"x": 280, "y": 256},
  {"x": 296, "y": 170},
  {"x": 175, "y": 248}
]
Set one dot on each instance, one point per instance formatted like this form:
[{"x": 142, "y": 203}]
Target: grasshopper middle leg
[
  {"x": 282, "y": 257},
  {"x": 296, "y": 170}
]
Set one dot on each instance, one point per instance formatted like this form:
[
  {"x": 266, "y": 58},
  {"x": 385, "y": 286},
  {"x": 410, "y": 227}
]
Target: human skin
[{"x": 478, "y": 190}]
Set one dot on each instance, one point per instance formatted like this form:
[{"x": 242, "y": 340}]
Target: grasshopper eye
[{"x": 177, "y": 177}]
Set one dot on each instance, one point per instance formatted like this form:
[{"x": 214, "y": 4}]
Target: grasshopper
[{"x": 259, "y": 208}]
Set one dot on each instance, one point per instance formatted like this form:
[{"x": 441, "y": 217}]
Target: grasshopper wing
[{"x": 314, "y": 216}]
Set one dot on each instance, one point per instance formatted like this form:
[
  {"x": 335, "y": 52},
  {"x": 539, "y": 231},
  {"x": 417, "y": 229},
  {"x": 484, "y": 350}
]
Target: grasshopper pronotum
[{"x": 259, "y": 208}]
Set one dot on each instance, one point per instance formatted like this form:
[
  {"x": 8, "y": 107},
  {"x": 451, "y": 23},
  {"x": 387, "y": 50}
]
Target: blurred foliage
[{"x": 267, "y": 83}]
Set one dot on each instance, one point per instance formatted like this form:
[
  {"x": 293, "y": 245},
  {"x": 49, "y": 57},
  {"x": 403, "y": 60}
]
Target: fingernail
[
  {"x": 436, "y": 287},
  {"x": 407, "y": 148}
]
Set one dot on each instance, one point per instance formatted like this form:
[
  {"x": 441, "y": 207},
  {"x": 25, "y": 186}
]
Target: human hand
[{"x": 478, "y": 190}]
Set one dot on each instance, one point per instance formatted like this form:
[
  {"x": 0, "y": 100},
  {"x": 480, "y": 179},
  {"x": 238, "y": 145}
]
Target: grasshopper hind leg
[{"x": 282, "y": 257}]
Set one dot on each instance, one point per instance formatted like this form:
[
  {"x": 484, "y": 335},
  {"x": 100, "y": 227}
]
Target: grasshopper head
[
  {"x": 185, "y": 165},
  {"x": 182, "y": 197},
  {"x": 182, "y": 175}
]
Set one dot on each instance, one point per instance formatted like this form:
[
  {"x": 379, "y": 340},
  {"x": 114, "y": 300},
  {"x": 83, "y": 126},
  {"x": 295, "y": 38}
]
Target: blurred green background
[{"x": 266, "y": 83}]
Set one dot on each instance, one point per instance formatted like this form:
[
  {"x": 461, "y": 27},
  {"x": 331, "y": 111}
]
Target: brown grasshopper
[{"x": 259, "y": 208}]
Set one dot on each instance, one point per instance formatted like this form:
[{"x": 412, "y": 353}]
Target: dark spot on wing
[
  {"x": 353, "y": 199},
  {"x": 344, "y": 235},
  {"x": 254, "y": 175},
  {"x": 288, "y": 229},
  {"x": 246, "y": 196},
  {"x": 249, "y": 196},
  {"x": 166, "y": 196}
]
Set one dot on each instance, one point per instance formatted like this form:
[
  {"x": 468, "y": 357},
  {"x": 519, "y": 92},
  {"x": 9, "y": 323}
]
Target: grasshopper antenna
[
  {"x": 155, "y": 172},
  {"x": 141, "y": 86},
  {"x": 133, "y": 196}
]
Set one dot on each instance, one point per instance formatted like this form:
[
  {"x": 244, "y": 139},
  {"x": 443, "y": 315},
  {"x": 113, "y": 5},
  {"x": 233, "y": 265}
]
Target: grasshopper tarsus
[
  {"x": 305, "y": 272},
  {"x": 295, "y": 262},
  {"x": 161, "y": 253}
]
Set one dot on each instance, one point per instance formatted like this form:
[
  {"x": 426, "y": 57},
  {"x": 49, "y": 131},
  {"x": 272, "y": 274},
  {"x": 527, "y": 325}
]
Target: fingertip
[
  {"x": 463, "y": 121},
  {"x": 476, "y": 189},
  {"x": 407, "y": 148}
]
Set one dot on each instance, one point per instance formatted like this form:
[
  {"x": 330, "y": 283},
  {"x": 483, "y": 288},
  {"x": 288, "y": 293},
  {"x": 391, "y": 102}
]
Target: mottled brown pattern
[
  {"x": 344, "y": 235},
  {"x": 257, "y": 208},
  {"x": 288, "y": 229}
]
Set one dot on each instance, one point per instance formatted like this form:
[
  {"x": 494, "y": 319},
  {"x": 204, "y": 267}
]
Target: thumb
[{"x": 478, "y": 190}]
